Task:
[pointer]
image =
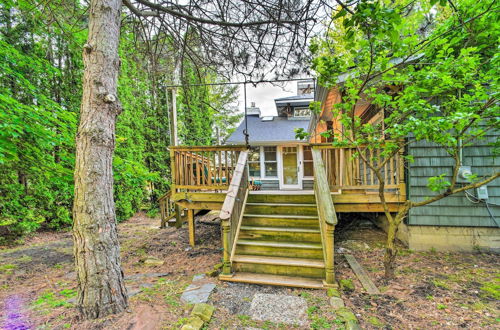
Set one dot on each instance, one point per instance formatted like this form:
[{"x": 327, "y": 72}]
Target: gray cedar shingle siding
[
  {"x": 307, "y": 184},
  {"x": 270, "y": 184},
  {"x": 454, "y": 210}
]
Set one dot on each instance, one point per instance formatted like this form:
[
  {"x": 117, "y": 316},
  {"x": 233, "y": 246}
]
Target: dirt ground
[{"x": 432, "y": 291}]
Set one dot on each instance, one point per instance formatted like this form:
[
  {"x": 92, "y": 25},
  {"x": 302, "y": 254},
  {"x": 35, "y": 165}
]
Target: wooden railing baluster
[
  {"x": 345, "y": 172},
  {"x": 203, "y": 167}
]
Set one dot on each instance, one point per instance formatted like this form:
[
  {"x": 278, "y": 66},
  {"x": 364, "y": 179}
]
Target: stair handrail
[
  {"x": 231, "y": 213},
  {"x": 326, "y": 213}
]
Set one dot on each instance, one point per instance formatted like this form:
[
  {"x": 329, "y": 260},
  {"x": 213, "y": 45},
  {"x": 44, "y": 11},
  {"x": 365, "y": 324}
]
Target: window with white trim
[
  {"x": 270, "y": 162},
  {"x": 254, "y": 162},
  {"x": 308, "y": 162},
  {"x": 302, "y": 113}
]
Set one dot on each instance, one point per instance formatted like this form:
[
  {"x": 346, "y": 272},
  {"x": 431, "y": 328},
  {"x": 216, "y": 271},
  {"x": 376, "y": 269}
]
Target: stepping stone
[
  {"x": 150, "y": 261},
  {"x": 279, "y": 309},
  {"x": 336, "y": 302},
  {"x": 195, "y": 294},
  {"x": 198, "y": 291}
]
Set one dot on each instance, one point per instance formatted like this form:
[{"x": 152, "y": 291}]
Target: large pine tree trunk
[{"x": 101, "y": 289}]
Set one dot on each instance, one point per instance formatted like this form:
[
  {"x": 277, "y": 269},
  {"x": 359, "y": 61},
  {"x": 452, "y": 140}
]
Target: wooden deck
[
  {"x": 278, "y": 237},
  {"x": 202, "y": 175}
]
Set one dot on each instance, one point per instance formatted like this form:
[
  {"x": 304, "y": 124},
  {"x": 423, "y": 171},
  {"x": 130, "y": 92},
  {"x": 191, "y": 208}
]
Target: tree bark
[
  {"x": 390, "y": 246},
  {"x": 101, "y": 289}
]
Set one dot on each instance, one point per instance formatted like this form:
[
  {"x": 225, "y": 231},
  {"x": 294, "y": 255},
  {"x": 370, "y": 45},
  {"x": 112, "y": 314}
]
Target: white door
[{"x": 290, "y": 169}]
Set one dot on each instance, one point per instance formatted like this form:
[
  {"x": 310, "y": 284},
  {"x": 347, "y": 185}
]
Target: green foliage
[
  {"x": 492, "y": 289},
  {"x": 433, "y": 70},
  {"x": 40, "y": 94},
  {"x": 36, "y": 123},
  {"x": 50, "y": 299}
]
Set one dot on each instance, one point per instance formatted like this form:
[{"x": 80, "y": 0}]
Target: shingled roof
[{"x": 278, "y": 130}]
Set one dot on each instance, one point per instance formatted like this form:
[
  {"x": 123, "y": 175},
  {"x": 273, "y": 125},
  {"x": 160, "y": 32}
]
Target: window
[
  {"x": 308, "y": 162},
  {"x": 270, "y": 162},
  {"x": 302, "y": 112},
  {"x": 254, "y": 162}
]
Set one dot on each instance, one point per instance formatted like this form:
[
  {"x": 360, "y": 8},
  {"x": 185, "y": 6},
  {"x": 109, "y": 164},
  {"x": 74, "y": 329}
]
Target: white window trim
[
  {"x": 301, "y": 108},
  {"x": 260, "y": 162},
  {"x": 263, "y": 176},
  {"x": 280, "y": 167},
  {"x": 304, "y": 177},
  {"x": 263, "y": 164}
]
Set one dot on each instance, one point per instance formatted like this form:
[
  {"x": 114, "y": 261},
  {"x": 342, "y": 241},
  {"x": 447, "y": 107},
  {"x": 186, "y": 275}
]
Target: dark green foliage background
[{"x": 40, "y": 92}]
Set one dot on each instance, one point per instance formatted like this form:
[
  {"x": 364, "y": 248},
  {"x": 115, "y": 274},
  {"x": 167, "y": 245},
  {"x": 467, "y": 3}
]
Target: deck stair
[{"x": 279, "y": 242}]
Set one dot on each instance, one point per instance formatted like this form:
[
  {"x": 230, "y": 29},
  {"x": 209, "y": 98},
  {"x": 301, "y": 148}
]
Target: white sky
[{"x": 264, "y": 94}]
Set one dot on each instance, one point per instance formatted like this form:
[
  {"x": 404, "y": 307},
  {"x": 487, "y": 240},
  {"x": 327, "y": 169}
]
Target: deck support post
[
  {"x": 178, "y": 216},
  {"x": 190, "y": 215},
  {"x": 329, "y": 256},
  {"x": 226, "y": 268}
]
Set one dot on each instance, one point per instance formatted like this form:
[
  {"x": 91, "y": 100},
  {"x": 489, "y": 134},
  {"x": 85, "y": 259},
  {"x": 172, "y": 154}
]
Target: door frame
[{"x": 282, "y": 184}]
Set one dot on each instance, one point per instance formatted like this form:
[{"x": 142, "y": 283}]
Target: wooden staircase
[{"x": 279, "y": 242}]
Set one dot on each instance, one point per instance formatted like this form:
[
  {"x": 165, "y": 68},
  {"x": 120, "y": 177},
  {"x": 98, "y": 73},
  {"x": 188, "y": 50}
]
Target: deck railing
[
  {"x": 203, "y": 167},
  {"x": 167, "y": 208},
  {"x": 231, "y": 213},
  {"x": 326, "y": 214},
  {"x": 345, "y": 168}
]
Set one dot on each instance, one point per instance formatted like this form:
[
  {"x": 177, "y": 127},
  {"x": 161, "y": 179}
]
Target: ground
[{"x": 432, "y": 289}]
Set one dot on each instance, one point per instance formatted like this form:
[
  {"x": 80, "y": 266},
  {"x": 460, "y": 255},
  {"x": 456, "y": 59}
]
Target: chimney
[{"x": 253, "y": 110}]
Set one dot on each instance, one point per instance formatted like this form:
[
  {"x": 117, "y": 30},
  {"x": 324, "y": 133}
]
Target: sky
[{"x": 264, "y": 94}]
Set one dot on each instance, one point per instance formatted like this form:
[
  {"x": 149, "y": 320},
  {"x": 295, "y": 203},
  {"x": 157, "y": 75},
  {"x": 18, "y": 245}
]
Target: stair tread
[
  {"x": 282, "y": 229},
  {"x": 280, "y": 280},
  {"x": 266, "y": 260},
  {"x": 281, "y": 216},
  {"x": 281, "y": 244},
  {"x": 280, "y": 204}
]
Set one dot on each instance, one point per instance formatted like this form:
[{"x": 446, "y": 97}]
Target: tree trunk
[
  {"x": 390, "y": 246},
  {"x": 101, "y": 289}
]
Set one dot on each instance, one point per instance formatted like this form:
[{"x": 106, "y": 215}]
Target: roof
[
  {"x": 278, "y": 130},
  {"x": 294, "y": 97},
  {"x": 296, "y": 100}
]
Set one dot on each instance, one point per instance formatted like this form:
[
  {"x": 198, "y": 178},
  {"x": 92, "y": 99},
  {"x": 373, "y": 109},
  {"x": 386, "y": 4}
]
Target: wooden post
[
  {"x": 226, "y": 268},
  {"x": 327, "y": 216},
  {"x": 172, "y": 93},
  {"x": 330, "y": 253},
  {"x": 190, "y": 214},
  {"x": 178, "y": 220}
]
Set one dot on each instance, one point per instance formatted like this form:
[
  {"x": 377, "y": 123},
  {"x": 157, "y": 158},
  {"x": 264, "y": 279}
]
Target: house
[
  {"x": 277, "y": 159},
  {"x": 460, "y": 222},
  {"x": 282, "y": 234}
]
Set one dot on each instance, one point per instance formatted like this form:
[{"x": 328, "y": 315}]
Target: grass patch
[
  {"x": 167, "y": 290},
  {"x": 373, "y": 320},
  {"x": 25, "y": 258},
  {"x": 441, "y": 284},
  {"x": 246, "y": 321},
  {"x": 319, "y": 319},
  {"x": 404, "y": 252},
  {"x": 50, "y": 299},
  {"x": 7, "y": 268},
  {"x": 491, "y": 289},
  {"x": 441, "y": 306}
]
